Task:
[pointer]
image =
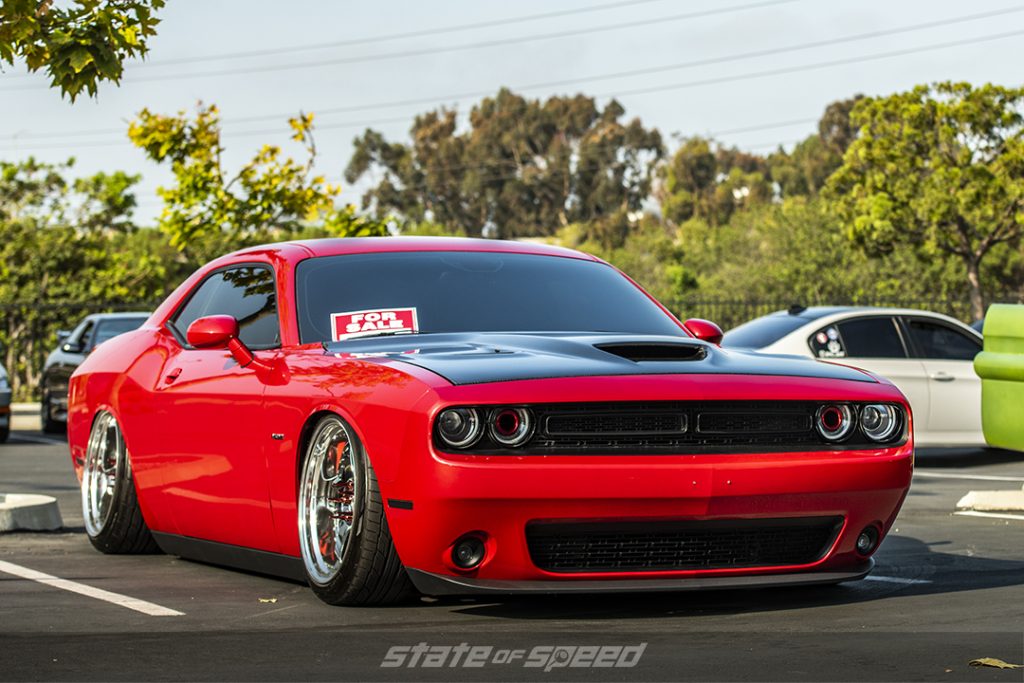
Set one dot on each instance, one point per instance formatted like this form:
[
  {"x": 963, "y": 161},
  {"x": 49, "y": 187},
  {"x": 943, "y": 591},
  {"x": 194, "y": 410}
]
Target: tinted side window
[
  {"x": 247, "y": 293},
  {"x": 871, "y": 338},
  {"x": 935, "y": 340},
  {"x": 859, "y": 338}
]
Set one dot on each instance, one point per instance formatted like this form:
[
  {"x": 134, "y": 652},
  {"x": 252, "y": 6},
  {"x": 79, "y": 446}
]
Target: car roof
[
  {"x": 812, "y": 313},
  {"x": 338, "y": 246},
  {"x": 99, "y": 317}
]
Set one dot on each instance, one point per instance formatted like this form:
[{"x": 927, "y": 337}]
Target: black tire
[
  {"x": 49, "y": 425},
  {"x": 122, "y": 530},
  {"x": 5, "y": 433},
  {"x": 370, "y": 571}
]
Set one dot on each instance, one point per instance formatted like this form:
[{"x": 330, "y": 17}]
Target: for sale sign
[{"x": 354, "y": 324}]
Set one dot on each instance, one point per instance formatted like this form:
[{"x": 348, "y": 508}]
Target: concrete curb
[
  {"x": 992, "y": 501},
  {"x": 29, "y": 512}
]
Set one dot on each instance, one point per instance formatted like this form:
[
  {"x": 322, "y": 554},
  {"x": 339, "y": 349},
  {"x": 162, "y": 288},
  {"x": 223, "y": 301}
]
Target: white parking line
[
  {"x": 993, "y": 515},
  {"x": 98, "y": 593},
  {"x": 894, "y": 579},
  {"x": 33, "y": 438},
  {"x": 972, "y": 477}
]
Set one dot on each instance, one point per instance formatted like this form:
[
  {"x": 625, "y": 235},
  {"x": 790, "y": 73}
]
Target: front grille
[
  {"x": 679, "y": 545},
  {"x": 622, "y": 424},
  {"x": 753, "y": 423},
  {"x": 674, "y": 427}
]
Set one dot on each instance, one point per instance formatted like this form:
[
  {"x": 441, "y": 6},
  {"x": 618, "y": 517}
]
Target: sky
[{"x": 733, "y": 69}]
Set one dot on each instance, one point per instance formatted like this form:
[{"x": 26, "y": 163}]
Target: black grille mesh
[
  {"x": 625, "y": 423},
  {"x": 665, "y": 546},
  {"x": 753, "y": 423},
  {"x": 707, "y": 426}
]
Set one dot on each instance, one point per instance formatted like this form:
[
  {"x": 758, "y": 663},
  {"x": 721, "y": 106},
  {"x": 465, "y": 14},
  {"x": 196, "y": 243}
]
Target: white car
[{"x": 927, "y": 355}]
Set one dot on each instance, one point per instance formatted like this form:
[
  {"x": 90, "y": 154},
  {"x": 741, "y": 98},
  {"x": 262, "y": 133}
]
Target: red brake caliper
[{"x": 343, "y": 495}]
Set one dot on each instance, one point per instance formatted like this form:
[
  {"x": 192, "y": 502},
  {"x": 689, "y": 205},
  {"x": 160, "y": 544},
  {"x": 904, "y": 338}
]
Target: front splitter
[{"x": 437, "y": 584}]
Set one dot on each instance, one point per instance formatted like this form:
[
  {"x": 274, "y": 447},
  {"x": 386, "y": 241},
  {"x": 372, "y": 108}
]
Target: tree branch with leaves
[
  {"x": 208, "y": 212},
  {"x": 80, "y": 44},
  {"x": 939, "y": 168}
]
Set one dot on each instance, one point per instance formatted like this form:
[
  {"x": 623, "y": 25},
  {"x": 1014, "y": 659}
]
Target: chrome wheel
[
  {"x": 329, "y": 494},
  {"x": 105, "y": 456}
]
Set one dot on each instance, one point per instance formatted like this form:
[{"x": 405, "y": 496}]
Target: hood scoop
[{"x": 640, "y": 352}]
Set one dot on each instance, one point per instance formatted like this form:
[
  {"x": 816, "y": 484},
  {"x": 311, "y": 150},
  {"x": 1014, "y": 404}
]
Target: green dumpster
[{"x": 1001, "y": 369}]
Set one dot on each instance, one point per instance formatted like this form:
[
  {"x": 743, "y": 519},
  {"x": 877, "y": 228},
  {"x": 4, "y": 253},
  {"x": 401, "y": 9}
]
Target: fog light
[
  {"x": 468, "y": 552},
  {"x": 867, "y": 541}
]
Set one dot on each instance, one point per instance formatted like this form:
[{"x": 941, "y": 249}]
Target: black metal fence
[{"x": 729, "y": 313}]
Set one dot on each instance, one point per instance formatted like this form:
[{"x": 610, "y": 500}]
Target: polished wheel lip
[
  {"x": 105, "y": 456},
  {"x": 329, "y": 495}
]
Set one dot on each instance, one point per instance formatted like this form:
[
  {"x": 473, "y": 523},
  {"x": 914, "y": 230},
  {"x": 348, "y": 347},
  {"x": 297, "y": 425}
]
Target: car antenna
[{"x": 797, "y": 309}]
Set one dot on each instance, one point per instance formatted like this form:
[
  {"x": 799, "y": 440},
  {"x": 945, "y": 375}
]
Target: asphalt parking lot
[{"x": 948, "y": 588}]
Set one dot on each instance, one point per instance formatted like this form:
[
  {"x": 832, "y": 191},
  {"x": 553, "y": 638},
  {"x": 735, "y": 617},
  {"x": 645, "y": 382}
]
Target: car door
[
  {"x": 875, "y": 343},
  {"x": 947, "y": 354},
  {"x": 208, "y": 412}
]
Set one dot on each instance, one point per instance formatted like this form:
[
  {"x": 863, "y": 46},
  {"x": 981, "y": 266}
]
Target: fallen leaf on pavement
[{"x": 994, "y": 663}]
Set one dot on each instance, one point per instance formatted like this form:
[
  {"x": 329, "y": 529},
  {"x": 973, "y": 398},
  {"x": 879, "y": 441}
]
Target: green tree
[
  {"x": 939, "y": 168},
  {"x": 523, "y": 167},
  {"x": 66, "y": 246},
  {"x": 208, "y": 212},
  {"x": 805, "y": 170},
  {"x": 707, "y": 181},
  {"x": 80, "y": 44},
  {"x": 648, "y": 251}
]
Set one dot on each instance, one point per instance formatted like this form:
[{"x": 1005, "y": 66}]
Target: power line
[
  {"x": 372, "y": 40},
  {"x": 583, "y": 79},
  {"x": 635, "y": 72},
  {"x": 438, "y": 50},
  {"x": 652, "y": 89},
  {"x": 816, "y": 65}
]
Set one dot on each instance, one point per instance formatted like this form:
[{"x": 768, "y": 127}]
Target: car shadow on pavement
[
  {"x": 906, "y": 567},
  {"x": 964, "y": 457}
]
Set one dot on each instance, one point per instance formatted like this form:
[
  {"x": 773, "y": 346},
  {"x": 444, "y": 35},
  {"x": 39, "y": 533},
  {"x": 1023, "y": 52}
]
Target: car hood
[{"x": 482, "y": 357}]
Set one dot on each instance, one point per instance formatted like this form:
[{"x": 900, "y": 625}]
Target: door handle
[
  {"x": 943, "y": 377},
  {"x": 172, "y": 375}
]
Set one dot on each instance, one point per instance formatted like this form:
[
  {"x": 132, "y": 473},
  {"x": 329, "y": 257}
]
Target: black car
[{"x": 72, "y": 348}]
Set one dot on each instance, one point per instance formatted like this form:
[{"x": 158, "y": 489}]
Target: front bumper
[{"x": 498, "y": 498}]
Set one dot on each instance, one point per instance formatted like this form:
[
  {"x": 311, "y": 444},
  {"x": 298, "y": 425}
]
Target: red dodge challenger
[{"x": 385, "y": 416}]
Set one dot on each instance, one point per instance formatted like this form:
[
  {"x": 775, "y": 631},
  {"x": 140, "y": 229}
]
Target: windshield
[
  {"x": 762, "y": 332},
  {"x": 340, "y": 297}
]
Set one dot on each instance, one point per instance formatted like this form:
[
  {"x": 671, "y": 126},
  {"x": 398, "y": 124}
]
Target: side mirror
[
  {"x": 212, "y": 332},
  {"x": 62, "y": 336},
  {"x": 705, "y": 330},
  {"x": 219, "y": 332}
]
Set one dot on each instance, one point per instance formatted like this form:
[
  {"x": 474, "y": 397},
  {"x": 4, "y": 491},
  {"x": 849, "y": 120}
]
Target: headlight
[
  {"x": 460, "y": 427},
  {"x": 834, "y": 421},
  {"x": 511, "y": 426},
  {"x": 879, "y": 421}
]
